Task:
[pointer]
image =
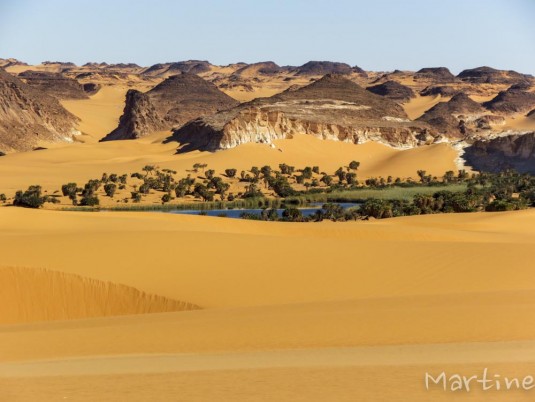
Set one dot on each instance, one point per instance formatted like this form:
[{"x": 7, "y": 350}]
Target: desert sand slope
[
  {"x": 100, "y": 113},
  {"x": 418, "y": 105},
  {"x": 80, "y": 162},
  {"x": 296, "y": 312},
  {"x": 215, "y": 262},
  {"x": 29, "y": 295}
]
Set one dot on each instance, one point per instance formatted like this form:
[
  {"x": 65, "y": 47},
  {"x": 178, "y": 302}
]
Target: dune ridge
[{"x": 33, "y": 294}]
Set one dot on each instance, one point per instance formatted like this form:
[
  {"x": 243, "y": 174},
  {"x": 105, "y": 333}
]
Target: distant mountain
[{"x": 488, "y": 75}]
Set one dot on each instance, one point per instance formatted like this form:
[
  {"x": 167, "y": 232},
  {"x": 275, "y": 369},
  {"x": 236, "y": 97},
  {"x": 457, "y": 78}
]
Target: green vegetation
[
  {"x": 289, "y": 188},
  {"x": 32, "y": 198}
]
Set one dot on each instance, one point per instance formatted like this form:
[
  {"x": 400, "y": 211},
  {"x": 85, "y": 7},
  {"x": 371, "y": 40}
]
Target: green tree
[
  {"x": 354, "y": 165},
  {"x": 230, "y": 173},
  {"x": 110, "y": 189}
]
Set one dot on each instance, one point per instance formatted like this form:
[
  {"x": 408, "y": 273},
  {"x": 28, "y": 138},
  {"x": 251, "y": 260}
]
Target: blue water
[{"x": 236, "y": 213}]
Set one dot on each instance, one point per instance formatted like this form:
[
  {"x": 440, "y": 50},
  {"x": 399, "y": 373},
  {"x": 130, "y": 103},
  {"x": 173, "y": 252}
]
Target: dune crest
[{"x": 30, "y": 295}]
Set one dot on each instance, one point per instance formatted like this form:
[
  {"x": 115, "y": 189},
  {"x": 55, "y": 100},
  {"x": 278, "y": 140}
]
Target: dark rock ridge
[
  {"x": 91, "y": 88},
  {"x": 330, "y": 108},
  {"x": 54, "y": 84},
  {"x": 188, "y": 66},
  {"x": 436, "y": 74},
  {"x": 4, "y": 63},
  {"x": 442, "y": 90},
  {"x": 531, "y": 114},
  {"x": 139, "y": 118},
  {"x": 514, "y": 100},
  {"x": 515, "y": 151},
  {"x": 263, "y": 68},
  {"x": 61, "y": 63},
  {"x": 393, "y": 90},
  {"x": 29, "y": 117},
  {"x": 322, "y": 68},
  {"x": 450, "y": 118},
  {"x": 489, "y": 75},
  {"x": 170, "y": 104}
]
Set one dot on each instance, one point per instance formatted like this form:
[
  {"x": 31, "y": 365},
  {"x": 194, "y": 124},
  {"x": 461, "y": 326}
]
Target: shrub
[
  {"x": 90, "y": 200},
  {"x": 292, "y": 215},
  {"x": 69, "y": 190},
  {"x": 110, "y": 189},
  {"x": 3, "y": 198},
  {"x": 30, "y": 198},
  {"x": 136, "y": 197},
  {"x": 230, "y": 172},
  {"x": 354, "y": 165},
  {"x": 166, "y": 198}
]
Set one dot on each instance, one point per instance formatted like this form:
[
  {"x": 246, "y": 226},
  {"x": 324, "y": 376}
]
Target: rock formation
[
  {"x": 515, "y": 151},
  {"x": 170, "y": 104},
  {"x": 442, "y": 90},
  {"x": 450, "y": 118},
  {"x": 393, "y": 90},
  {"x": 29, "y": 117},
  {"x": 322, "y": 68},
  {"x": 330, "y": 108},
  {"x": 435, "y": 74},
  {"x": 139, "y": 118},
  {"x": 513, "y": 100},
  {"x": 262, "y": 68},
  {"x": 488, "y": 75},
  {"x": 54, "y": 84},
  {"x": 168, "y": 69}
]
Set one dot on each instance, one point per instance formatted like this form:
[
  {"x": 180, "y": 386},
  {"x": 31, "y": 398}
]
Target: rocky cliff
[
  {"x": 515, "y": 151},
  {"x": 139, "y": 118},
  {"x": 29, "y": 118},
  {"x": 331, "y": 108},
  {"x": 170, "y": 104}
]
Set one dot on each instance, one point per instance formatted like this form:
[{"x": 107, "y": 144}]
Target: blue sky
[{"x": 373, "y": 34}]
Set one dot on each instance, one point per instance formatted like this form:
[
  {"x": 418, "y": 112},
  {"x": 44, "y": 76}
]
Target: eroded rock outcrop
[
  {"x": 393, "y": 90},
  {"x": 515, "y": 151},
  {"x": 489, "y": 75},
  {"x": 442, "y": 90},
  {"x": 451, "y": 118},
  {"x": 139, "y": 118},
  {"x": 513, "y": 100},
  {"x": 29, "y": 117},
  {"x": 323, "y": 67},
  {"x": 331, "y": 108},
  {"x": 54, "y": 84},
  {"x": 435, "y": 74},
  {"x": 170, "y": 104}
]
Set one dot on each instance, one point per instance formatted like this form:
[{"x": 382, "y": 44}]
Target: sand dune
[
  {"x": 29, "y": 295},
  {"x": 80, "y": 162},
  {"x": 215, "y": 262},
  {"x": 100, "y": 114},
  {"x": 388, "y": 301},
  {"x": 420, "y": 104}
]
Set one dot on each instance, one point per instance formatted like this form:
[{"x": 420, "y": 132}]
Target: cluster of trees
[
  {"x": 485, "y": 191},
  {"x": 33, "y": 197}
]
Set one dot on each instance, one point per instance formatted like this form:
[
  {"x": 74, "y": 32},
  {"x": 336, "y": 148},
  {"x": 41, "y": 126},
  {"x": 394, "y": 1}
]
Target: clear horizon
[{"x": 404, "y": 35}]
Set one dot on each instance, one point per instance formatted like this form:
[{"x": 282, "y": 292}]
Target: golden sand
[{"x": 345, "y": 294}]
